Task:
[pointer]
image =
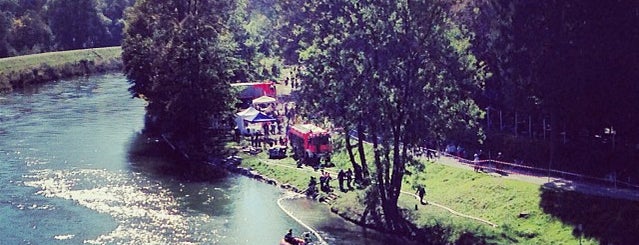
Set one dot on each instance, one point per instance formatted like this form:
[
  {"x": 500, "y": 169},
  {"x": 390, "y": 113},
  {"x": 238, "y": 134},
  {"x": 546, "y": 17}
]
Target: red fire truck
[{"x": 309, "y": 143}]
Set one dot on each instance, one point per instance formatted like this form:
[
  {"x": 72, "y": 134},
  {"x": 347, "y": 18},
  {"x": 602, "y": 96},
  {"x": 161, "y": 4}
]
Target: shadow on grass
[{"x": 609, "y": 220}]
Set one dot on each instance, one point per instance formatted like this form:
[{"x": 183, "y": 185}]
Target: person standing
[
  {"x": 349, "y": 178},
  {"x": 322, "y": 180},
  {"x": 421, "y": 191},
  {"x": 340, "y": 178},
  {"x": 327, "y": 179}
]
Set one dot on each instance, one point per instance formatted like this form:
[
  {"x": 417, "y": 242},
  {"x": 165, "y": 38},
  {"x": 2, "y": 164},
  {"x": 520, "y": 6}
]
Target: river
[{"x": 72, "y": 172}]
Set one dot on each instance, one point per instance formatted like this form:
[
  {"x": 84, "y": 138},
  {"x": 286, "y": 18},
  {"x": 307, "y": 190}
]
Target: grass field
[
  {"x": 28, "y": 62},
  {"x": 525, "y": 213},
  {"x": 21, "y": 71}
]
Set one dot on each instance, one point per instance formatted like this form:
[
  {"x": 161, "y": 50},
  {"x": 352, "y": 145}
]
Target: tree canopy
[
  {"x": 34, "y": 26},
  {"x": 401, "y": 71},
  {"x": 178, "y": 56}
]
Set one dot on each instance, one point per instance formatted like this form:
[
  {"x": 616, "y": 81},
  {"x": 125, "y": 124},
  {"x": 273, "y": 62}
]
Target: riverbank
[
  {"x": 21, "y": 71},
  {"x": 523, "y": 212}
]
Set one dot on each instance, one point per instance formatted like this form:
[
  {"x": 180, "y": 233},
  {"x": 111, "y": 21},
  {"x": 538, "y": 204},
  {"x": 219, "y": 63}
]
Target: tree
[
  {"x": 179, "y": 57},
  {"x": 30, "y": 34},
  {"x": 252, "y": 23},
  {"x": 400, "y": 71},
  {"x": 568, "y": 61},
  {"x": 114, "y": 11},
  {"x": 5, "y": 31},
  {"x": 77, "y": 24}
]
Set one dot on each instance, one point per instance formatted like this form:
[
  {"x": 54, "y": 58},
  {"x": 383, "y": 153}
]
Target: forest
[
  {"x": 564, "y": 78},
  {"x": 36, "y": 26}
]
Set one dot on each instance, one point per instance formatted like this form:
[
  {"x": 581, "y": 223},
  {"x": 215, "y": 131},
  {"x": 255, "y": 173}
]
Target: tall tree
[
  {"x": 31, "y": 34},
  {"x": 77, "y": 24},
  {"x": 5, "y": 30},
  {"x": 179, "y": 57},
  {"x": 114, "y": 11},
  {"x": 405, "y": 72},
  {"x": 568, "y": 61}
]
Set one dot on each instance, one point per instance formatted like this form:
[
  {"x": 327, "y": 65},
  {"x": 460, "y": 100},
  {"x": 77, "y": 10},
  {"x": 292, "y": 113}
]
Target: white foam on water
[{"x": 64, "y": 237}]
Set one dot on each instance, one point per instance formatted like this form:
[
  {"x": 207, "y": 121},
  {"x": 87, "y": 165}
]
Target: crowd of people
[{"x": 344, "y": 180}]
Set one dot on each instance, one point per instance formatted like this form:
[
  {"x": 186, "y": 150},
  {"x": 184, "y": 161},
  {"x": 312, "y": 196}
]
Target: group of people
[
  {"x": 324, "y": 181},
  {"x": 345, "y": 176},
  {"x": 294, "y": 78},
  {"x": 295, "y": 83}
]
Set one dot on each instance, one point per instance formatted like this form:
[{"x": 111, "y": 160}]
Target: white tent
[
  {"x": 264, "y": 100},
  {"x": 250, "y": 115}
]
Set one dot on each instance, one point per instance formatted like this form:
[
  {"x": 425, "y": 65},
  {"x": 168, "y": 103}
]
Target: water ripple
[{"x": 145, "y": 212}]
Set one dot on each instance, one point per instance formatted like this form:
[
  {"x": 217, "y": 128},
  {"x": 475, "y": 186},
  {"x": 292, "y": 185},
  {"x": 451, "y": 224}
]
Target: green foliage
[
  {"x": 35, "y": 26},
  {"x": 76, "y": 23},
  {"x": 252, "y": 23},
  {"x": 402, "y": 71},
  {"x": 5, "y": 31},
  {"x": 30, "y": 34},
  {"x": 179, "y": 57},
  {"x": 569, "y": 62}
]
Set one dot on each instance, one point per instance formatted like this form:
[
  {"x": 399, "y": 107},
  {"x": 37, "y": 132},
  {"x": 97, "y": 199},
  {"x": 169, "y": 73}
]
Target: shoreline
[{"x": 22, "y": 71}]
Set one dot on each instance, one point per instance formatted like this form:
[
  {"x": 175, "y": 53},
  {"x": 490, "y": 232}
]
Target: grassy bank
[
  {"x": 525, "y": 213},
  {"x": 21, "y": 71}
]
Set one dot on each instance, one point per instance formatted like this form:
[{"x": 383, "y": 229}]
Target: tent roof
[
  {"x": 253, "y": 115},
  {"x": 260, "y": 117},
  {"x": 264, "y": 100},
  {"x": 250, "y": 112}
]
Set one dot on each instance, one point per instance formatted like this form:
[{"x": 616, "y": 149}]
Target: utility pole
[
  {"x": 530, "y": 126},
  {"x": 488, "y": 116},
  {"x": 501, "y": 122},
  {"x": 544, "y": 128},
  {"x": 516, "y": 129}
]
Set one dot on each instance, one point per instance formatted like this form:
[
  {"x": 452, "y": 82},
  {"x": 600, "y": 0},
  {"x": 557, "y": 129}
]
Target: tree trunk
[
  {"x": 381, "y": 186},
  {"x": 357, "y": 169},
  {"x": 360, "y": 147}
]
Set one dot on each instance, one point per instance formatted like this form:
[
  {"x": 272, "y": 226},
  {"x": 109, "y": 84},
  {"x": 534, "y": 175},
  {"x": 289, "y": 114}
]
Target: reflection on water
[
  {"x": 75, "y": 169},
  {"x": 143, "y": 211}
]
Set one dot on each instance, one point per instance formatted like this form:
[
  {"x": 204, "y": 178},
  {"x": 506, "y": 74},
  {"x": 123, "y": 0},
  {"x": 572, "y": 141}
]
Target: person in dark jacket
[{"x": 421, "y": 191}]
